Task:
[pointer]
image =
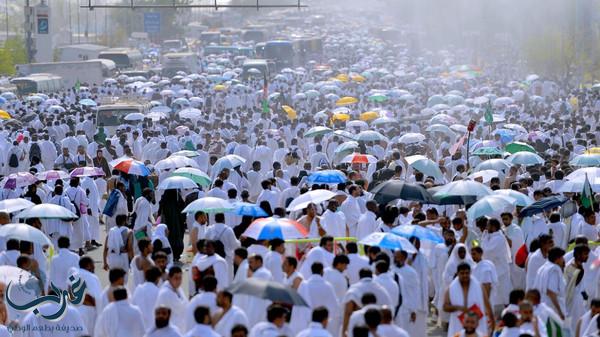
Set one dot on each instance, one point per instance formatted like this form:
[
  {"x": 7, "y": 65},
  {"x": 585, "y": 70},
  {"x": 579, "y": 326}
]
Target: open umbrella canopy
[
  {"x": 190, "y": 113},
  {"x": 346, "y": 101},
  {"x": 369, "y": 115},
  {"x": 450, "y": 199},
  {"x": 268, "y": 290},
  {"x": 229, "y": 161},
  {"x": 175, "y": 162},
  {"x": 47, "y": 211},
  {"x": 388, "y": 241},
  {"x": 411, "y": 137},
  {"x": 196, "y": 175},
  {"x": 499, "y": 165},
  {"x": 248, "y": 209},
  {"x": 327, "y": 177},
  {"x": 358, "y": 158},
  {"x": 19, "y": 179},
  {"x": 275, "y": 228},
  {"x": 542, "y": 205},
  {"x": 426, "y": 166},
  {"x": 515, "y": 147},
  {"x": 209, "y": 205},
  {"x": 317, "y": 131},
  {"x": 525, "y": 158},
  {"x": 586, "y": 160},
  {"x": 491, "y": 205},
  {"x": 485, "y": 175},
  {"x": 579, "y": 175},
  {"x": 21, "y": 231},
  {"x": 87, "y": 102},
  {"x": 135, "y": 116},
  {"x": 488, "y": 151},
  {"x": 345, "y": 147},
  {"x": 186, "y": 153},
  {"x": 176, "y": 183},
  {"x": 422, "y": 233},
  {"x": 521, "y": 199},
  {"x": 369, "y": 136},
  {"x": 87, "y": 171},
  {"x": 15, "y": 205},
  {"x": 397, "y": 189},
  {"x": 312, "y": 197},
  {"x": 52, "y": 175},
  {"x": 463, "y": 188},
  {"x": 132, "y": 166}
]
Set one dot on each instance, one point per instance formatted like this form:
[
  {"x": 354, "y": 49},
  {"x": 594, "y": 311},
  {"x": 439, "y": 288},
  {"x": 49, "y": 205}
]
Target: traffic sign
[{"x": 152, "y": 22}]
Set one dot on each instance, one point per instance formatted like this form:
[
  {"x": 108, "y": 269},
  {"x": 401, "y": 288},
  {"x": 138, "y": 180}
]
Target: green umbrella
[
  {"x": 515, "y": 147},
  {"x": 317, "y": 131},
  {"x": 487, "y": 151},
  {"x": 379, "y": 98},
  {"x": 198, "y": 176}
]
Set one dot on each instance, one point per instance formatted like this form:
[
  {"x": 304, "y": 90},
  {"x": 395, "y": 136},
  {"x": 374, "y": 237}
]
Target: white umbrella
[
  {"x": 525, "y": 158},
  {"x": 357, "y": 124},
  {"x": 209, "y": 205},
  {"x": 491, "y": 205},
  {"x": 177, "y": 183},
  {"x": 24, "y": 232},
  {"x": 175, "y": 162},
  {"x": 370, "y": 136},
  {"x": 592, "y": 173},
  {"x": 576, "y": 186},
  {"x": 161, "y": 108},
  {"x": 586, "y": 160},
  {"x": 463, "y": 188},
  {"x": 190, "y": 113},
  {"x": 313, "y": 197},
  {"x": 440, "y": 128},
  {"x": 15, "y": 205},
  {"x": 521, "y": 199},
  {"x": 486, "y": 175},
  {"x": 135, "y": 116},
  {"x": 47, "y": 211},
  {"x": 425, "y": 165},
  {"x": 499, "y": 165},
  {"x": 229, "y": 161},
  {"x": 411, "y": 137}
]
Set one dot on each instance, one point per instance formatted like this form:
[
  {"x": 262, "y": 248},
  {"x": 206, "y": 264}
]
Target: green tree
[{"x": 12, "y": 53}]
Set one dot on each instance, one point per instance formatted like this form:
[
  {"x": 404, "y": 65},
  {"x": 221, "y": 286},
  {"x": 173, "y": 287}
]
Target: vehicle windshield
[
  {"x": 113, "y": 117},
  {"x": 25, "y": 87},
  {"x": 121, "y": 60},
  {"x": 279, "y": 51}
]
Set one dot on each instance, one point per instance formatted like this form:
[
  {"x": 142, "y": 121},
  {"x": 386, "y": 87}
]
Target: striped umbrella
[
  {"x": 209, "y": 205},
  {"x": 275, "y": 228},
  {"x": 131, "y": 166},
  {"x": 197, "y": 175}
]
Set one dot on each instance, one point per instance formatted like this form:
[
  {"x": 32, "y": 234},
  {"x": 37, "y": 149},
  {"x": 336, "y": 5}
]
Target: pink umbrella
[
  {"x": 87, "y": 172},
  {"x": 20, "y": 179},
  {"x": 52, "y": 175}
]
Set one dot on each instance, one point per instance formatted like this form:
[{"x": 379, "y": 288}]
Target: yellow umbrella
[
  {"x": 4, "y": 115},
  {"x": 346, "y": 101},
  {"x": 342, "y": 77},
  {"x": 358, "y": 78},
  {"x": 340, "y": 117},
  {"x": 593, "y": 150},
  {"x": 291, "y": 113},
  {"x": 220, "y": 87},
  {"x": 369, "y": 115}
]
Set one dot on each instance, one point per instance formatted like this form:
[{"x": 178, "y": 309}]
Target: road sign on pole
[{"x": 152, "y": 23}]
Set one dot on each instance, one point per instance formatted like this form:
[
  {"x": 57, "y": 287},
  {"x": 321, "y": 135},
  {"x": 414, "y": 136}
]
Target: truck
[
  {"x": 90, "y": 72},
  {"x": 78, "y": 52},
  {"x": 34, "y": 83},
  {"x": 174, "y": 62},
  {"x": 112, "y": 115}
]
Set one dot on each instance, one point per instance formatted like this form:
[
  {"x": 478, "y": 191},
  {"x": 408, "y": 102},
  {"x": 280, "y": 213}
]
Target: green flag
[
  {"x": 553, "y": 328},
  {"x": 265, "y": 106},
  {"x": 586, "y": 194},
  {"x": 489, "y": 117},
  {"x": 77, "y": 85}
]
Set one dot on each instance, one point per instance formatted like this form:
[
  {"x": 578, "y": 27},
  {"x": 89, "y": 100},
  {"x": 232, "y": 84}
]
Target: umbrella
[
  {"x": 340, "y": 117},
  {"x": 52, "y": 175},
  {"x": 209, "y": 205},
  {"x": 488, "y": 151},
  {"x": 515, "y": 127},
  {"x": 515, "y": 147},
  {"x": 24, "y": 232},
  {"x": 229, "y": 161},
  {"x": 411, "y": 137},
  {"x": 593, "y": 150},
  {"x": 175, "y": 162},
  {"x": 15, "y": 205},
  {"x": 327, "y": 177},
  {"x": 388, "y": 241},
  {"x": 196, "y": 175},
  {"x": 20, "y": 179},
  {"x": 156, "y": 116},
  {"x": 579, "y": 175},
  {"x": 87, "y": 102},
  {"x": 362, "y": 125},
  {"x": 312, "y": 197},
  {"x": 463, "y": 188},
  {"x": 499, "y": 165},
  {"x": 491, "y": 205},
  {"x": 425, "y": 165},
  {"x": 586, "y": 160},
  {"x": 186, "y": 153},
  {"x": 542, "y": 205},
  {"x": 443, "y": 119},
  {"x": 268, "y": 290},
  {"x": 190, "y": 113},
  {"x": 422, "y": 233},
  {"x": 397, "y": 189},
  {"x": 346, "y": 101},
  {"x": 357, "y": 158},
  {"x": 275, "y": 228},
  {"x": 87, "y": 172},
  {"x": 176, "y": 183},
  {"x": 345, "y": 147},
  {"x": 458, "y": 128},
  {"x": 136, "y": 116},
  {"x": 181, "y": 101},
  {"x": 370, "y": 136},
  {"x": 384, "y": 121},
  {"x": 369, "y": 115},
  {"x": 525, "y": 158},
  {"x": 522, "y": 199},
  {"x": 450, "y": 199},
  {"x": 55, "y": 109},
  {"x": 47, "y": 211},
  {"x": 486, "y": 175},
  {"x": 379, "y": 98},
  {"x": 248, "y": 209},
  {"x": 291, "y": 113},
  {"x": 131, "y": 166},
  {"x": 317, "y": 131},
  {"x": 161, "y": 109},
  {"x": 440, "y": 128}
]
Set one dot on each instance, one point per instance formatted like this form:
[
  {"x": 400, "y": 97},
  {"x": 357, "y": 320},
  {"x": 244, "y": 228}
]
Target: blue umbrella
[
  {"x": 422, "y": 233},
  {"x": 542, "y": 205},
  {"x": 388, "y": 241},
  {"x": 327, "y": 177},
  {"x": 248, "y": 209},
  {"x": 88, "y": 102},
  {"x": 2, "y": 100}
]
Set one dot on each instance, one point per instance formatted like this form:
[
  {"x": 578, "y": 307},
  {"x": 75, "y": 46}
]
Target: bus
[
  {"x": 209, "y": 37},
  {"x": 35, "y": 83},
  {"x": 281, "y": 52},
  {"x": 173, "y": 46},
  {"x": 90, "y": 71},
  {"x": 111, "y": 116},
  {"x": 79, "y": 52},
  {"x": 124, "y": 58},
  {"x": 260, "y": 65},
  {"x": 174, "y": 62}
]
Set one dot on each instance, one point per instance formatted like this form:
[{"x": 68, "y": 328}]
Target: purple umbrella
[
  {"x": 20, "y": 179},
  {"x": 87, "y": 172}
]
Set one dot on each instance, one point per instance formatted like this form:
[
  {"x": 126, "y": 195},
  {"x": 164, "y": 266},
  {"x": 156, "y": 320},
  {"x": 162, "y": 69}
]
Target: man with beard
[
  {"x": 162, "y": 327},
  {"x": 230, "y": 315},
  {"x": 470, "y": 324},
  {"x": 440, "y": 256}
]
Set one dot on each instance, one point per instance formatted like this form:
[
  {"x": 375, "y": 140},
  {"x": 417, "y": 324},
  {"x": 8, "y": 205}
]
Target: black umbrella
[
  {"x": 542, "y": 205},
  {"x": 267, "y": 290},
  {"x": 450, "y": 199},
  {"x": 397, "y": 189}
]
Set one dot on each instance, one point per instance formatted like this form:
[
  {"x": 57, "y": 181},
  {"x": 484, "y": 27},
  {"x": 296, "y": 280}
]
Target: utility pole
[
  {"x": 6, "y": 14},
  {"x": 28, "y": 31},
  {"x": 70, "y": 23}
]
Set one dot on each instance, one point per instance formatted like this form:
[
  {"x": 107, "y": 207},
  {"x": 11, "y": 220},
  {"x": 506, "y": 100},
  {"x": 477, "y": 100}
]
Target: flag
[
  {"x": 489, "y": 117},
  {"x": 77, "y": 85},
  {"x": 265, "y": 100},
  {"x": 586, "y": 194},
  {"x": 458, "y": 144},
  {"x": 553, "y": 328}
]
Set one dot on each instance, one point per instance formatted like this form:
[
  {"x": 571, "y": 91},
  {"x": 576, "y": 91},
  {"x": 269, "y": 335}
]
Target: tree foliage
[{"x": 12, "y": 53}]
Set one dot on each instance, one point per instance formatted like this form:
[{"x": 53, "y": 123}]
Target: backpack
[
  {"x": 35, "y": 151},
  {"x": 111, "y": 203},
  {"x": 13, "y": 161},
  {"x": 77, "y": 210}
]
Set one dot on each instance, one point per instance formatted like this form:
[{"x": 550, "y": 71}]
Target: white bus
[
  {"x": 90, "y": 72},
  {"x": 111, "y": 116},
  {"x": 34, "y": 83},
  {"x": 124, "y": 58},
  {"x": 79, "y": 52}
]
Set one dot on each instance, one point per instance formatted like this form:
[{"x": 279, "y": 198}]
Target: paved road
[{"x": 96, "y": 254}]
